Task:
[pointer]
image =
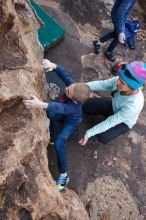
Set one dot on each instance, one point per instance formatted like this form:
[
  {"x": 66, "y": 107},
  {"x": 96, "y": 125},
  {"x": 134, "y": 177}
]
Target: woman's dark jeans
[{"x": 103, "y": 106}]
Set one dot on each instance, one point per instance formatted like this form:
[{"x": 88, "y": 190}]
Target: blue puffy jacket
[{"x": 131, "y": 29}]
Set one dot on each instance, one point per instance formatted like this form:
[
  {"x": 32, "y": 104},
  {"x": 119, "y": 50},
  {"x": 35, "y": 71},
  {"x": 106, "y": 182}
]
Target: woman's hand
[{"x": 84, "y": 140}]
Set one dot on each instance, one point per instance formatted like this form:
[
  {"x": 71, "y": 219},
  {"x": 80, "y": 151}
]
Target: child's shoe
[
  {"x": 110, "y": 56},
  {"x": 62, "y": 182},
  {"x": 96, "y": 45},
  {"x": 51, "y": 143}
]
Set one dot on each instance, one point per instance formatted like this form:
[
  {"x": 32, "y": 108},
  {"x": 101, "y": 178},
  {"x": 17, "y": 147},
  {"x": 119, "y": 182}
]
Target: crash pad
[{"x": 51, "y": 32}]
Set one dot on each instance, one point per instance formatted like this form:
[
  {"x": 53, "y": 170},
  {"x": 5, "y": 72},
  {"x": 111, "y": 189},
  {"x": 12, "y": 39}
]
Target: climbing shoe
[
  {"x": 51, "y": 142},
  {"x": 96, "y": 45},
  {"x": 62, "y": 182},
  {"x": 110, "y": 56}
]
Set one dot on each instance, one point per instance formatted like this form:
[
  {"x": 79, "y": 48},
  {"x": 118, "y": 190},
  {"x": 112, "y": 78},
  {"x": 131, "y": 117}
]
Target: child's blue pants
[{"x": 67, "y": 129}]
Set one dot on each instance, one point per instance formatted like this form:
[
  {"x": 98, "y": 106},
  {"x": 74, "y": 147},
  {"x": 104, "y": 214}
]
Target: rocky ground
[{"x": 110, "y": 179}]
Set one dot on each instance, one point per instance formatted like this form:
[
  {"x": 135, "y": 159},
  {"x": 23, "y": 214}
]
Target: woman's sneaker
[
  {"x": 97, "y": 46},
  {"x": 110, "y": 56},
  {"x": 62, "y": 182}
]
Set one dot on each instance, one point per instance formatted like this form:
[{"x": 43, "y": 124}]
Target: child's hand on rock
[
  {"x": 48, "y": 65},
  {"x": 34, "y": 103}
]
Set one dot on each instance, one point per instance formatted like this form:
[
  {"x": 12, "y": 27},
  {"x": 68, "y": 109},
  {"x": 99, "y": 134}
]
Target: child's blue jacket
[
  {"x": 72, "y": 112},
  {"x": 120, "y": 13}
]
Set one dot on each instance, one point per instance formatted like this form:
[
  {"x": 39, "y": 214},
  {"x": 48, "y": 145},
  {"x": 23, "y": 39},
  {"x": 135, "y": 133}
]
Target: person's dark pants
[
  {"x": 59, "y": 139},
  {"x": 108, "y": 37},
  {"x": 103, "y": 106}
]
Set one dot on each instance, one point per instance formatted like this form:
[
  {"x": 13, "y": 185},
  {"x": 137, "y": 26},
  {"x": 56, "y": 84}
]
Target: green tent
[{"x": 51, "y": 32}]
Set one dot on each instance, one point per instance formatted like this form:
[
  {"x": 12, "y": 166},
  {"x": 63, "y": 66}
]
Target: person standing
[{"x": 119, "y": 15}]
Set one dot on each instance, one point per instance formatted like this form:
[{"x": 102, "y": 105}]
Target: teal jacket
[{"x": 126, "y": 108}]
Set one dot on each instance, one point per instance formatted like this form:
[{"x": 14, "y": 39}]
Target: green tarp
[{"x": 51, "y": 32}]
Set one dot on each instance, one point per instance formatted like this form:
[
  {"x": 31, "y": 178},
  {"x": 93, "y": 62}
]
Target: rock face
[{"x": 27, "y": 190}]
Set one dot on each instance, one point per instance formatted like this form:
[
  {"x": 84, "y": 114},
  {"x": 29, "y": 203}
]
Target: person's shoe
[
  {"x": 110, "y": 56},
  {"x": 51, "y": 142},
  {"x": 96, "y": 45},
  {"x": 62, "y": 182}
]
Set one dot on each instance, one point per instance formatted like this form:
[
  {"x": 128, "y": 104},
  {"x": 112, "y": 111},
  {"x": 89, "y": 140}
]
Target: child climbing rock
[{"x": 68, "y": 112}]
